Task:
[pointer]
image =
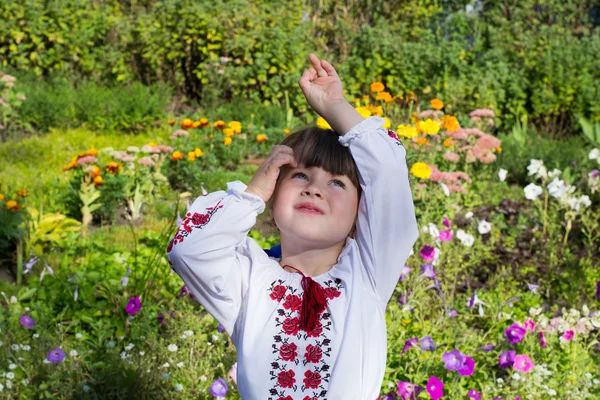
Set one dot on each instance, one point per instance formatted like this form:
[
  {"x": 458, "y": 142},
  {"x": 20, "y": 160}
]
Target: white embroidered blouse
[{"x": 258, "y": 302}]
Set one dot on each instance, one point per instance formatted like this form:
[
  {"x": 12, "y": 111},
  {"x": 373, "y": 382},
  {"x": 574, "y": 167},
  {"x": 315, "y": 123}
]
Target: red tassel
[{"x": 314, "y": 302}]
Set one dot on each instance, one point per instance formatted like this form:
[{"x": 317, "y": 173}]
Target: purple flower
[
  {"x": 543, "y": 342},
  {"x": 427, "y": 252},
  {"x": 184, "y": 290},
  {"x": 408, "y": 391},
  {"x": 133, "y": 306},
  {"x": 445, "y": 235},
  {"x": 55, "y": 356},
  {"x": 404, "y": 273},
  {"x": 446, "y": 222},
  {"x": 454, "y": 360},
  {"x": 515, "y": 333},
  {"x": 219, "y": 388},
  {"x": 27, "y": 321},
  {"x": 472, "y": 300},
  {"x": 533, "y": 288},
  {"x": 220, "y": 328},
  {"x": 409, "y": 343},
  {"x": 595, "y": 173},
  {"x": 474, "y": 394},
  {"x": 468, "y": 368},
  {"x": 427, "y": 344},
  {"x": 428, "y": 270},
  {"x": 486, "y": 348},
  {"x": 404, "y": 297},
  {"x": 453, "y": 313},
  {"x": 29, "y": 264},
  {"x": 435, "y": 388},
  {"x": 507, "y": 359}
]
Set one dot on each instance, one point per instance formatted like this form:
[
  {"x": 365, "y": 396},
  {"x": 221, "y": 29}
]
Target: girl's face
[{"x": 314, "y": 206}]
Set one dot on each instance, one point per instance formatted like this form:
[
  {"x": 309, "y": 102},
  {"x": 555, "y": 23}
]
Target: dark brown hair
[{"x": 316, "y": 147}]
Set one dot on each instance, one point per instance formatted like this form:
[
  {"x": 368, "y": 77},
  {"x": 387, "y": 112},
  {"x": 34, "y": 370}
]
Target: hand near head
[{"x": 264, "y": 180}]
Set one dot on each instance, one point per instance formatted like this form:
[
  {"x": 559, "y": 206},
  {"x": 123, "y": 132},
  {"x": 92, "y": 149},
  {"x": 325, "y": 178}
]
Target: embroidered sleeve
[
  {"x": 386, "y": 228},
  {"x": 206, "y": 250}
]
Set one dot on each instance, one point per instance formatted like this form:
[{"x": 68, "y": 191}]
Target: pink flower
[
  {"x": 233, "y": 373},
  {"x": 179, "y": 132},
  {"x": 543, "y": 342},
  {"x": 445, "y": 235},
  {"x": 567, "y": 336},
  {"x": 146, "y": 161},
  {"x": 134, "y": 305},
  {"x": 86, "y": 160},
  {"x": 488, "y": 142},
  {"x": 446, "y": 222},
  {"x": 451, "y": 157},
  {"x": 459, "y": 134},
  {"x": 482, "y": 112},
  {"x": 474, "y": 132},
  {"x": 529, "y": 325},
  {"x": 523, "y": 363},
  {"x": 426, "y": 114},
  {"x": 435, "y": 388},
  {"x": 427, "y": 252}
]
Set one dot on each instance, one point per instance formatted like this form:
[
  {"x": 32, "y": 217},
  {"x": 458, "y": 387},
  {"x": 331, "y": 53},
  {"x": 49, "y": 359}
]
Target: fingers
[
  {"x": 307, "y": 77},
  {"x": 328, "y": 68},
  {"x": 317, "y": 65},
  {"x": 281, "y": 159}
]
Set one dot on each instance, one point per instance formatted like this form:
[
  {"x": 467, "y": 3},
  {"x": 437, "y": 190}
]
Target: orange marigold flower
[
  {"x": 499, "y": 149},
  {"x": 385, "y": 96},
  {"x": 177, "y": 155},
  {"x": 171, "y": 122},
  {"x": 112, "y": 167},
  {"x": 203, "y": 121},
  {"x": 437, "y": 104},
  {"x": 95, "y": 171},
  {"x": 92, "y": 152},
  {"x": 227, "y": 141},
  {"x": 22, "y": 193},
  {"x": 448, "y": 142},
  {"x": 377, "y": 87},
  {"x": 187, "y": 123},
  {"x": 219, "y": 124},
  {"x": 261, "y": 138},
  {"x": 421, "y": 140},
  {"x": 286, "y": 131},
  {"x": 377, "y": 111},
  {"x": 98, "y": 180},
  {"x": 198, "y": 152},
  {"x": 229, "y": 132},
  {"x": 450, "y": 123},
  {"x": 2, "y": 197},
  {"x": 12, "y": 205},
  {"x": 191, "y": 156},
  {"x": 196, "y": 124}
]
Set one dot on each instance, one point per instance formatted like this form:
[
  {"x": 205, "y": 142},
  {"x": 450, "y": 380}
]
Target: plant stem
[{"x": 19, "y": 261}]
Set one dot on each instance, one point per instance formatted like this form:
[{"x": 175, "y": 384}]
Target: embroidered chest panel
[{"x": 301, "y": 361}]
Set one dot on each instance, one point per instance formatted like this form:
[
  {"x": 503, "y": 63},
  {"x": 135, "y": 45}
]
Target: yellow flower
[
  {"x": 236, "y": 126},
  {"x": 171, "y": 122},
  {"x": 187, "y": 123},
  {"x": 98, "y": 180},
  {"x": 429, "y": 127},
  {"x": 152, "y": 144},
  {"x": 191, "y": 156},
  {"x": 377, "y": 87},
  {"x": 261, "y": 138},
  {"x": 366, "y": 99},
  {"x": 2, "y": 197},
  {"x": 321, "y": 123},
  {"x": 112, "y": 167},
  {"x": 364, "y": 112},
  {"x": 286, "y": 131},
  {"x": 437, "y": 104},
  {"x": 219, "y": 124},
  {"x": 407, "y": 131},
  {"x": 387, "y": 123},
  {"x": 203, "y": 121},
  {"x": 198, "y": 152},
  {"x": 450, "y": 123},
  {"x": 22, "y": 193},
  {"x": 229, "y": 132},
  {"x": 420, "y": 170},
  {"x": 378, "y": 110},
  {"x": 92, "y": 152},
  {"x": 448, "y": 142},
  {"x": 385, "y": 96},
  {"x": 177, "y": 155},
  {"x": 196, "y": 124},
  {"x": 95, "y": 171},
  {"x": 499, "y": 149},
  {"x": 227, "y": 141},
  {"x": 421, "y": 141},
  {"x": 12, "y": 205}
]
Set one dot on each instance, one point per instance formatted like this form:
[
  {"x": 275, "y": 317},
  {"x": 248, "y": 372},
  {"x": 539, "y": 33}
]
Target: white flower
[
  {"x": 10, "y": 375},
  {"x": 203, "y": 378},
  {"x": 15, "y": 347},
  {"x": 215, "y": 338},
  {"x": 433, "y": 230},
  {"x": 124, "y": 355},
  {"x": 142, "y": 353},
  {"x": 172, "y": 348},
  {"x": 180, "y": 364},
  {"x": 13, "y": 300},
  {"x": 445, "y": 188},
  {"x": 110, "y": 344},
  {"x": 12, "y": 366},
  {"x": 133, "y": 149},
  {"x": 594, "y": 155},
  {"x": 25, "y": 347},
  {"x": 465, "y": 238},
  {"x": 555, "y": 173},
  {"x": 537, "y": 168},
  {"x": 179, "y": 387},
  {"x": 502, "y": 174},
  {"x": 532, "y": 191},
  {"x": 86, "y": 388},
  {"x": 36, "y": 336},
  {"x": 165, "y": 365},
  {"x": 484, "y": 227},
  {"x": 129, "y": 346},
  {"x": 469, "y": 215},
  {"x": 9, "y": 384},
  {"x": 73, "y": 353},
  {"x": 516, "y": 376},
  {"x": 552, "y": 392},
  {"x": 78, "y": 335},
  {"x": 25, "y": 382},
  {"x": 1, "y": 387}
]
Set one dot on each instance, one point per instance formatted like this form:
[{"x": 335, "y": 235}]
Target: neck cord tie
[{"x": 314, "y": 302}]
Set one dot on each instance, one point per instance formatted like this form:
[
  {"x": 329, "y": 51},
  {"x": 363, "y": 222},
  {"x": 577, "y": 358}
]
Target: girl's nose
[{"x": 312, "y": 191}]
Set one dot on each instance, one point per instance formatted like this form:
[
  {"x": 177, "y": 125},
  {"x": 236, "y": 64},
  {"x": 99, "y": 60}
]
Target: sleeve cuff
[
  {"x": 369, "y": 124},
  {"x": 237, "y": 189}
]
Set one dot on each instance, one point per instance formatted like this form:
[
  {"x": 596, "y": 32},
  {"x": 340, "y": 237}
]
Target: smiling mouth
[{"x": 309, "y": 209}]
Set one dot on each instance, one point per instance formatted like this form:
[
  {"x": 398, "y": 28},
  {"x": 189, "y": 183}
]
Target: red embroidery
[
  {"x": 394, "y": 136},
  {"x": 293, "y": 348},
  {"x": 191, "y": 222}
]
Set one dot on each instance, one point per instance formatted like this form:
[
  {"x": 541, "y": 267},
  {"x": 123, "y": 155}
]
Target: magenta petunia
[
  {"x": 507, "y": 359},
  {"x": 523, "y": 363},
  {"x": 56, "y": 356},
  {"x": 134, "y": 305},
  {"x": 445, "y": 235},
  {"x": 468, "y": 367},
  {"x": 542, "y": 337},
  {"x": 435, "y": 388},
  {"x": 529, "y": 325},
  {"x": 408, "y": 391},
  {"x": 515, "y": 333},
  {"x": 567, "y": 336},
  {"x": 474, "y": 394},
  {"x": 446, "y": 222},
  {"x": 27, "y": 321},
  {"x": 427, "y": 252},
  {"x": 409, "y": 343}
]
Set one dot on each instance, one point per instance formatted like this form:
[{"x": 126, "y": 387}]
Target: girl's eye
[
  {"x": 339, "y": 183},
  {"x": 300, "y": 174}
]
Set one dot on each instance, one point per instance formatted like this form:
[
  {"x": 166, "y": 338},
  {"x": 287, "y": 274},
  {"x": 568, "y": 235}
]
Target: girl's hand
[
  {"x": 264, "y": 180},
  {"x": 321, "y": 86}
]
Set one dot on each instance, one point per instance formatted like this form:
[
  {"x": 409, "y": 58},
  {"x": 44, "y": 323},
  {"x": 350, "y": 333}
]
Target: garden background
[{"x": 116, "y": 114}]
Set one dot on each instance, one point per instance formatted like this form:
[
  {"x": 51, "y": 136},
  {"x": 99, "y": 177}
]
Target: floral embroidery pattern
[
  {"x": 191, "y": 222},
  {"x": 394, "y": 136},
  {"x": 301, "y": 359}
]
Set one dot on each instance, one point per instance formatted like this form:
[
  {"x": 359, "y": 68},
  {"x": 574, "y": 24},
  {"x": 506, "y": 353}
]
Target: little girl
[{"x": 311, "y": 324}]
